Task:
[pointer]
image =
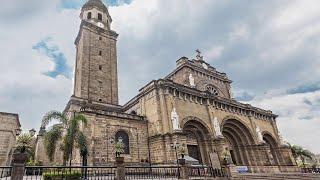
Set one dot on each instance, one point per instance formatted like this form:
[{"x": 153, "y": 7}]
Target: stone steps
[{"x": 280, "y": 176}]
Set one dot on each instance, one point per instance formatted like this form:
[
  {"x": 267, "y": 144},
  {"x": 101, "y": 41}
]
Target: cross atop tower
[{"x": 199, "y": 57}]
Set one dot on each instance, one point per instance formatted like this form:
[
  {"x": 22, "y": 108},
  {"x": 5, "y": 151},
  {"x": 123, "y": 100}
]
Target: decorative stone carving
[
  {"x": 191, "y": 81},
  {"x": 260, "y": 137},
  {"x": 175, "y": 120},
  {"x": 216, "y": 126}
]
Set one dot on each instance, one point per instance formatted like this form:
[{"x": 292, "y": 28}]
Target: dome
[{"x": 95, "y": 4}]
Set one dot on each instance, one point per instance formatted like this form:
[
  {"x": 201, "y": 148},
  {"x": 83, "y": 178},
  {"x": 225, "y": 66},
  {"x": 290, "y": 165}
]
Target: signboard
[{"x": 242, "y": 169}]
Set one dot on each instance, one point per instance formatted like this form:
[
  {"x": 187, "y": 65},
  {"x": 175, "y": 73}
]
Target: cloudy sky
[{"x": 270, "y": 49}]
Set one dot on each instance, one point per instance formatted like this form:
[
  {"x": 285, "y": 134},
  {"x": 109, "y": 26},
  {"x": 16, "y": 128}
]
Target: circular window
[{"x": 212, "y": 90}]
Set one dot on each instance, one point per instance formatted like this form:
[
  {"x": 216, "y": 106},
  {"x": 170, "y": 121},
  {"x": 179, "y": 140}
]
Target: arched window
[
  {"x": 99, "y": 16},
  {"x": 123, "y": 136},
  {"x": 89, "y": 15},
  {"x": 212, "y": 90}
]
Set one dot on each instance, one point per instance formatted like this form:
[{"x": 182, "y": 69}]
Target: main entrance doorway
[
  {"x": 193, "y": 152},
  {"x": 197, "y": 141}
]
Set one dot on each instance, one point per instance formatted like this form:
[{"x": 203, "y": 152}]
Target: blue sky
[
  {"x": 56, "y": 56},
  {"x": 75, "y": 4},
  {"x": 270, "y": 49}
]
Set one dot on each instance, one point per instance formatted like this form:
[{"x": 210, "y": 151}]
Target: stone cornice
[
  {"x": 92, "y": 27},
  {"x": 218, "y": 102},
  {"x": 113, "y": 114},
  {"x": 99, "y": 109},
  {"x": 94, "y": 105},
  {"x": 210, "y": 72}
]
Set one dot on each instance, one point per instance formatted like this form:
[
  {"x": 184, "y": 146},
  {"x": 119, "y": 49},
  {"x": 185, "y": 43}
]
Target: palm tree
[
  {"x": 67, "y": 130},
  {"x": 300, "y": 152}
]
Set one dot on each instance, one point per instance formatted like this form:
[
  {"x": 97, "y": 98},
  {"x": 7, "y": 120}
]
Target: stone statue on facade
[
  {"x": 282, "y": 141},
  {"x": 191, "y": 81},
  {"x": 260, "y": 138},
  {"x": 216, "y": 126},
  {"x": 175, "y": 120}
]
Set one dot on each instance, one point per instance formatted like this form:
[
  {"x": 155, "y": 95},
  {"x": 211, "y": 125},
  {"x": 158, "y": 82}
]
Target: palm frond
[
  {"x": 50, "y": 140},
  {"x": 24, "y": 142},
  {"x": 81, "y": 118},
  {"x": 307, "y": 154},
  {"x": 82, "y": 143},
  {"x": 48, "y": 117}
]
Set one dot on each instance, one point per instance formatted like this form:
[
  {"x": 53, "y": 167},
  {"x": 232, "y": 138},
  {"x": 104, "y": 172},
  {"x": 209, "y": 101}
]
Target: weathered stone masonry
[{"x": 192, "y": 106}]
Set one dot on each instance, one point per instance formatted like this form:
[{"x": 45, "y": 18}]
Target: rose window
[{"x": 212, "y": 90}]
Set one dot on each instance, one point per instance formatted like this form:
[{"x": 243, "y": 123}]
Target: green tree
[
  {"x": 67, "y": 131},
  {"x": 300, "y": 152}
]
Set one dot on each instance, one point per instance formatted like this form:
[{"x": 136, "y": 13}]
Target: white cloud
[
  {"x": 298, "y": 119},
  {"x": 213, "y": 53},
  {"x": 24, "y": 89},
  {"x": 270, "y": 45},
  {"x": 239, "y": 31}
]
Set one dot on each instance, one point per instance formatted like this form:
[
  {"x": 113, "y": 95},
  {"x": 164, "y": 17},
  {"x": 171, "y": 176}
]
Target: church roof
[{"x": 95, "y": 3}]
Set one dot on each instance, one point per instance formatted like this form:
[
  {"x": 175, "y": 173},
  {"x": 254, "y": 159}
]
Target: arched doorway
[
  {"x": 272, "y": 153},
  {"x": 239, "y": 142},
  {"x": 198, "y": 141}
]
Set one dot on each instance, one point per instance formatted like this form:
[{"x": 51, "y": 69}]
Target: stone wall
[
  {"x": 8, "y": 129},
  {"x": 202, "y": 77},
  {"x": 101, "y": 132},
  {"x": 157, "y": 100}
]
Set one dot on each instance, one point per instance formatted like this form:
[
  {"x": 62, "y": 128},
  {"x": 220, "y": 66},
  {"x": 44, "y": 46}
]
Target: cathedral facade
[{"x": 192, "y": 107}]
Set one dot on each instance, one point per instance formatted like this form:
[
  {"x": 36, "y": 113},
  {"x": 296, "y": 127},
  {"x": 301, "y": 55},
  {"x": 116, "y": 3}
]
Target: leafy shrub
[{"x": 67, "y": 175}]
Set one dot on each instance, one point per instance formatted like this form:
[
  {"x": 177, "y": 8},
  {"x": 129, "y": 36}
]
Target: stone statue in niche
[
  {"x": 175, "y": 120},
  {"x": 216, "y": 126},
  {"x": 231, "y": 93},
  {"x": 191, "y": 81},
  {"x": 260, "y": 138}
]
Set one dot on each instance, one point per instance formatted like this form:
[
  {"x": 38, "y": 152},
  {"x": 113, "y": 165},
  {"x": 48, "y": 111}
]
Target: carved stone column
[{"x": 220, "y": 145}]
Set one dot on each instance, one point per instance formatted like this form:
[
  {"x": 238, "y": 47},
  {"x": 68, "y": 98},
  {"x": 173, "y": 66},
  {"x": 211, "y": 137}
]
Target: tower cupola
[{"x": 95, "y": 12}]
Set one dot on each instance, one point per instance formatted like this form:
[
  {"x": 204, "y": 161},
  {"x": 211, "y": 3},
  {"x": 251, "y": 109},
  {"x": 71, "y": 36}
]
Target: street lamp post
[{"x": 176, "y": 145}]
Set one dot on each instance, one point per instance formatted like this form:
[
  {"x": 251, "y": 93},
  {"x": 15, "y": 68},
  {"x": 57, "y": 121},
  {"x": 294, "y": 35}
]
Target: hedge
[{"x": 67, "y": 175}]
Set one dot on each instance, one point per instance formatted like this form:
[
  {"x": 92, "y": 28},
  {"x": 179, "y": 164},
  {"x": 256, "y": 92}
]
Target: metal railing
[
  {"x": 109, "y": 173},
  {"x": 5, "y": 172},
  {"x": 161, "y": 172},
  {"x": 96, "y": 172},
  {"x": 206, "y": 172},
  {"x": 310, "y": 170}
]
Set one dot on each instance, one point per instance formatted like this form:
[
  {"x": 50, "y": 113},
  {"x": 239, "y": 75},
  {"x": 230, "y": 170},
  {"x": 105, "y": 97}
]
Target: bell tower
[{"x": 96, "y": 76}]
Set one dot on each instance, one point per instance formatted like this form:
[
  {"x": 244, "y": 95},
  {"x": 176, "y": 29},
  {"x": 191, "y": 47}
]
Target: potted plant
[
  {"x": 23, "y": 148},
  {"x": 119, "y": 149}
]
